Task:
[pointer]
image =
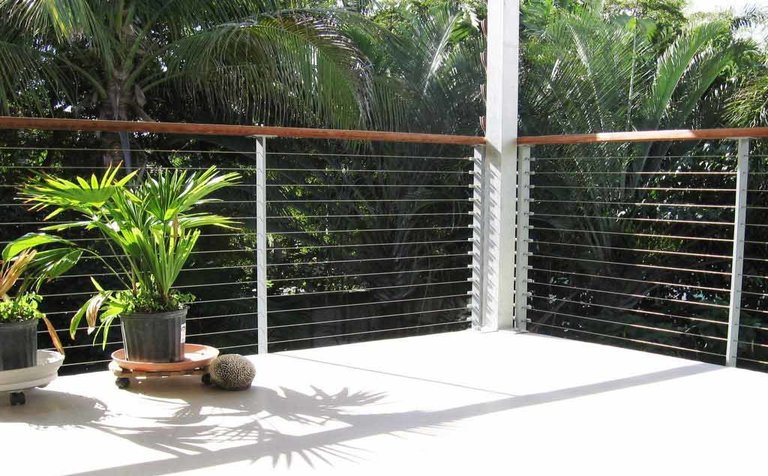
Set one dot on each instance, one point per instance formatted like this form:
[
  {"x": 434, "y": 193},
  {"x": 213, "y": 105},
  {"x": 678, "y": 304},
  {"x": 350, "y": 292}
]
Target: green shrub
[
  {"x": 150, "y": 225},
  {"x": 21, "y": 308}
]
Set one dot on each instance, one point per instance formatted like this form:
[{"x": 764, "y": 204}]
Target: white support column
[
  {"x": 500, "y": 177},
  {"x": 523, "y": 235},
  {"x": 737, "y": 267},
  {"x": 261, "y": 243}
]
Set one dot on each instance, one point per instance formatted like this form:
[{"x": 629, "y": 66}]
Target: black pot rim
[
  {"x": 23, "y": 323},
  {"x": 150, "y": 315}
]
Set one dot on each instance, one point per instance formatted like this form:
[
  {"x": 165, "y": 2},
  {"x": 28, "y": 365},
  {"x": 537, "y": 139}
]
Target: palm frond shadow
[{"x": 246, "y": 418}]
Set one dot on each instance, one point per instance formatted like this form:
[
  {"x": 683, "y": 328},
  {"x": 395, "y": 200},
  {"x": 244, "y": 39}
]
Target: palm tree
[
  {"x": 589, "y": 72},
  {"x": 430, "y": 73},
  {"x": 240, "y": 60}
]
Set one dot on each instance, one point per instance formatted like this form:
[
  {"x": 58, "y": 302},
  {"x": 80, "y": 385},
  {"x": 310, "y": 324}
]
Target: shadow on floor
[
  {"x": 61, "y": 409},
  {"x": 246, "y": 420},
  {"x": 328, "y": 427}
]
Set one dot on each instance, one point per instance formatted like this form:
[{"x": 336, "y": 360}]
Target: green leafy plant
[
  {"x": 22, "y": 308},
  {"x": 26, "y": 268},
  {"x": 150, "y": 229}
]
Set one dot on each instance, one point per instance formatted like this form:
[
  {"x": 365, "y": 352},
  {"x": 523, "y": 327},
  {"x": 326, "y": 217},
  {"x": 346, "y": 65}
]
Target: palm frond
[
  {"x": 24, "y": 71},
  {"x": 674, "y": 65},
  {"x": 749, "y": 106},
  {"x": 66, "y": 20},
  {"x": 282, "y": 65}
]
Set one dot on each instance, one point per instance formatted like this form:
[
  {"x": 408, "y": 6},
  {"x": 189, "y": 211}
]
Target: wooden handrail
[
  {"x": 90, "y": 125},
  {"x": 231, "y": 130},
  {"x": 647, "y": 136}
]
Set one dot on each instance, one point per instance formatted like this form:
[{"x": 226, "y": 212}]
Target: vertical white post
[
  {"x": 737, "y": 267},
  {"x": 500, "y": 178},
  {"x": 523, "y": 235},
  {"x": 261, "y": 243}
]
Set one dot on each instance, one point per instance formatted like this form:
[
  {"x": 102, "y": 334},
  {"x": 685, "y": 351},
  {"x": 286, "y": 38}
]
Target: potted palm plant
[
  {"x": 25, "y": 268},
  {"x": 150, "y": 230}
]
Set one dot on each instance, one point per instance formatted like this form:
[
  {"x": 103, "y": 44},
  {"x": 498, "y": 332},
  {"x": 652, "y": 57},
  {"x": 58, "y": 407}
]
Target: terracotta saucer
[{"x": 195, "y": 357}]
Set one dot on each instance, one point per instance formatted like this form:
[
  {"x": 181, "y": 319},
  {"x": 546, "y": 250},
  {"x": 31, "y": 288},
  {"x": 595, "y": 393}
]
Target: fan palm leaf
[{"x": 252, "y": 60}]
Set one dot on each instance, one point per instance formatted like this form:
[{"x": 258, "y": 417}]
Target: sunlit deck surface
[{"x": 457, "y": 403}]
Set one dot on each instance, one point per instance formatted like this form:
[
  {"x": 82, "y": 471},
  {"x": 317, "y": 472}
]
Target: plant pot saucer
[
  {"x": 195, "y": 356},
  {"x": 47, "y": 369}
]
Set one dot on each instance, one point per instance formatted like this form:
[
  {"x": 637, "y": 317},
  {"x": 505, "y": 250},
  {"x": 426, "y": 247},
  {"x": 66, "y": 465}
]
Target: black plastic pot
[
  {"x": 155, "y": 337},
  {"x": 18, "y": 344}
]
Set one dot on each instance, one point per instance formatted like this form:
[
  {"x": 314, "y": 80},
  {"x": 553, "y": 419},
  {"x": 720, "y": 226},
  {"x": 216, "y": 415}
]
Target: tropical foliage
[
  {"x": 276, "y": 61},
  {"x": 24, "y": 307},
  {"x": 150, "y": 227},
  {"x": 587, "y": 66},
  {"x": 625, "y": 215},
  {"x": 26, "y": 269}
]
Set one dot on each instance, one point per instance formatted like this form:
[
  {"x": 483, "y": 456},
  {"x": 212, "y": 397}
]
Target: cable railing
[
  {"x": 399, "y": 255},
  {"x": 344, "y": 239},
  {"x": 338, "y": 241},
  {"x": 753, "y": 330},
  {"x": 644, "y": 247}
]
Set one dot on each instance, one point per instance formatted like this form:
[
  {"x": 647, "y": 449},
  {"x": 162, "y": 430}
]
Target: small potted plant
[
  {"x": 151, "y": 230},
  {"x": 26, "y": 269}
]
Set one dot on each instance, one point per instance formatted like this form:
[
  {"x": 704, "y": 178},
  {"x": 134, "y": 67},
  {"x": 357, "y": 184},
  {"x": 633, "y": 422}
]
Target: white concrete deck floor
[{"x": 471, "y": 403}]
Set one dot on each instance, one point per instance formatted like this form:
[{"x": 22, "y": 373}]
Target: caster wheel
[
  {"x": 18, "y": 398},
  {"x": 123, "y": 383},
  {"x": 207, "y": 379}
]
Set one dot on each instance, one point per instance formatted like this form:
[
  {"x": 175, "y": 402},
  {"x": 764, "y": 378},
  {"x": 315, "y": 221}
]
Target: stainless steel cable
[
  {"x": 370, "y": 303},
  {"x": 632, "y": 295},
  {"x": 366, "y": 290},
  {"x": 624, "y": 309},
  {"x": 638, "y": 265},
  {"x": 634, "y": 326},
  {"x": 366, "y": 260},
  {"x": 626, "y": 339},
  {"x": 641, "y": 235},
  {"x": 619, "y": 219},
  {"x": 404, "y": 243},
  {"x": 636, "y": 250},
  {"x": 635, "y": 204},
  {"x": 342, "y": 276},
  {"x": 378, "y": 331},
  {"x": 643, "y": 281},
  {"x": 366, "y": 318}
]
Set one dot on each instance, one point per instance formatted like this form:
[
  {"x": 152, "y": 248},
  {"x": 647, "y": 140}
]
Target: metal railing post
[
  {"x": 523, "y": 236},
  {"x": 493, "y": 250},
  {"x": 261, "y": 243},
  {"x": 479, "y": 239},
  {"x": 737, "y": 266}
]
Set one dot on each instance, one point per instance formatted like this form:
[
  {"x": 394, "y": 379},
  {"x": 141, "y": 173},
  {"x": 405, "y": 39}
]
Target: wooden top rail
[
  {"x": 231, "y": 130},
  {"x": 647, "y": 136},
  {"x": 89, "y": 125}
]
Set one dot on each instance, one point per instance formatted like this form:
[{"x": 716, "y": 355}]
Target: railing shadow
[{"x": 188, "y": 435}]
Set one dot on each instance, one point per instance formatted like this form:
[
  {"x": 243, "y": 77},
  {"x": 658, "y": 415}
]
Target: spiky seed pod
[{"x": 232, "y": 372}]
